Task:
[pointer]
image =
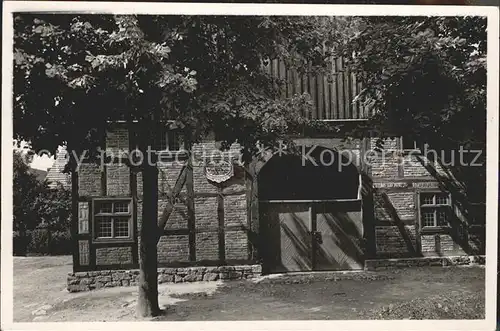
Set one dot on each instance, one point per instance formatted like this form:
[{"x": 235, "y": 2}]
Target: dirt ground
[{"x": 40, "y": 295}]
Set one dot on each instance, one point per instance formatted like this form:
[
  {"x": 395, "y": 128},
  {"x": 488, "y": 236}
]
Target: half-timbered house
[{"x": 277, "y": 214}]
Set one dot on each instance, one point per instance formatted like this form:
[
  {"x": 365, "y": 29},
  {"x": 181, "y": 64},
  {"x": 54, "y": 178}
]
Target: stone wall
[
  {"x": 86, "y": 281},
  {"x": 113, "y": 255},
  {"x": 463, "y": 260}
]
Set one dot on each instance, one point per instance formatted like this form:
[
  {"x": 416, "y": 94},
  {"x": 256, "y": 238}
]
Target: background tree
[
  {"x": 53, "y": 207},
  {"x": 35, "y": 203},
  {"x": 75, "y": 73},
  {"x": 26, "y": 189}
]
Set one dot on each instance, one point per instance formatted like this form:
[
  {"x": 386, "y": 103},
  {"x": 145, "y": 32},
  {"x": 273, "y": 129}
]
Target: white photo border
[{"x": 492, "y": 14}]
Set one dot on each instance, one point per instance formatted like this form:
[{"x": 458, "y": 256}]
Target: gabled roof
[{"x": 55, "y": 173}]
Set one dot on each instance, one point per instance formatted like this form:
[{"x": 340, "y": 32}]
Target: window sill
[
  {"x": 435, "y": 230},
  {"x": 435, "y": 206},
  {"x": 112, "y": 240}
]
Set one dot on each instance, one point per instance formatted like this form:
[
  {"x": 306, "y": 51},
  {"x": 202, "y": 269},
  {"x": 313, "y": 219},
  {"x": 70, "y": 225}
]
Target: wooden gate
[{"x": 312, "y": 235}]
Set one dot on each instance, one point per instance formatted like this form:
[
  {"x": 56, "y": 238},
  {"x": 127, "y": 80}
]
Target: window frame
[
  {"x": 168, "y": 154},
  {"x": 112, "y": 215},
  {"x": 435, "y": 208},
  {"x": 165, "y": 136}
]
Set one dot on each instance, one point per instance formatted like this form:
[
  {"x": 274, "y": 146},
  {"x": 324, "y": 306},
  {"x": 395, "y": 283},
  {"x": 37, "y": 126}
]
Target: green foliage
[
  {"x": 73, "y": 73},
  {"x": 426, "y": 79},
  {"x": 42, "y": 241},
  {"x": 20, "y": 243},
  {"x": 60, "y": 243},
  {"x": 53, "y": 205},
  {"x": 26, "y": 188},
  {"x": 424, "y": 74},
  {"x": 39, "y": 241},
  {"x": 35, "y": 202}
]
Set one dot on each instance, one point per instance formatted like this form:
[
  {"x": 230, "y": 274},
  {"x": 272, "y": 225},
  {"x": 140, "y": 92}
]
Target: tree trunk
[{"x": 147, "y": 305}]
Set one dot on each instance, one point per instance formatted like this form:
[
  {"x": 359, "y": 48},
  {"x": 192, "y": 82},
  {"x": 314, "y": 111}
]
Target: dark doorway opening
[{"x": 310, "y": 213}]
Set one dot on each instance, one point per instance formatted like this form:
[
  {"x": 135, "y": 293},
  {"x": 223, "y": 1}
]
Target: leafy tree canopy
[
  {"x": 426, "y": 79},
  {"x": 424, "y": 74},
  {"x": 75, "y": 73}
]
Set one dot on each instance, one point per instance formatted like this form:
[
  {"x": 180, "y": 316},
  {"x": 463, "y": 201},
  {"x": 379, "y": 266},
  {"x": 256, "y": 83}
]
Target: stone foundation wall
[
  {"x": 86, "y": 281},
  {"x": 382, "y": 264}
]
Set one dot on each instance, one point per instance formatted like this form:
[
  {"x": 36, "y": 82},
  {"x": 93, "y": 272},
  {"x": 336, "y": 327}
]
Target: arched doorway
[{"x": 310, "y": 212}]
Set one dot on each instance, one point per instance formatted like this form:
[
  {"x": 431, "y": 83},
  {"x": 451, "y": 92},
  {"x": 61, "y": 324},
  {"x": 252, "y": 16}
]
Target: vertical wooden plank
[
  {"x": 312, "y": 228},
  {"x": 220, "y": 217},
  {"x": 104, "y": 180},
  {"x": 251, "y": 237},
  {"x": 254, "y": 214},
  {"x": 83, "y": 217},
  {"x": 321, "y": 95},
  {"x": 340, "y": 90},
  {"x": 92, "y": 258},
  {"x": 83, "y": 252},
  {"x": 104, "y": 175},
  {"x": 133, "y": 192},
  {"x": 74, "y": 218},
  {"x": 418, "y": 238},
  {"x": 326, "y": 93},
  {"x": 400, "y": 165},
  {"x": 370, "y": 246},
  {"x": 296, "y": 82},
  {"x": 354, "y": 89},
  {"x": 333, "y": 90},
  {"x": 274, "y": 70},
  {"x": 282, "y": 76},
  {"x": 190, "y": 210},
  {"x": 347, "y": 98},
  {"x": 367, "y": 110},
  {"x": 312, "y": 92},
  {"x": 135, "y": 229},
  {"x": 289, "y": 83},
  {"x": 361, "y": 108},
  {"x": 305, "y": 88}
]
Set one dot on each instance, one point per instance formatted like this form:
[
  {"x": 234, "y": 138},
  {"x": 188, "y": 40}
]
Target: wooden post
[
  {"x": 347, "y": 98},
  {"x": 74, "y": 218},
  {"x": 190, "y": 209},
  {"x": 334, "y": 96},
  {"x": 220, "y": 217},
  {"x": 341, "y": 96}
]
